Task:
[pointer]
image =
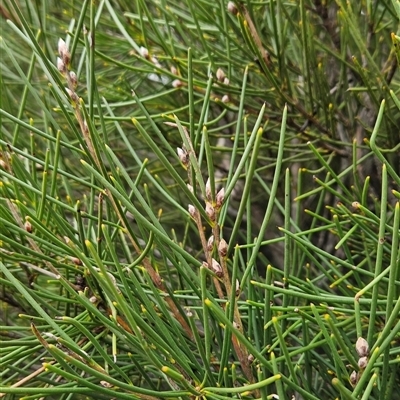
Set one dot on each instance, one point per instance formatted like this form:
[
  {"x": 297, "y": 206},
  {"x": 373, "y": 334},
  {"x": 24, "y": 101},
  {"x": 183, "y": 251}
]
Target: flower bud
[
  {"x": 220, "y": 74},
  {"x": 225, "y": 98},
  {"x": 74, "y": 97},
  {"x": 61, "y": 66},
  {"x": 176, "y": 83},
  {"x": 362, "y": 347},
  {"x": 210, "y": 211},
  {"x": 76, "y": 260},
  {"x": 237, "y": 290},
  {"x": 62, "y": 47},
  {"x": 183, "y": 156},
  {"x": 208, "y": 189},
  {"x": 226, "y": 81},
  {"x": 189, "y": 312},
  {"x": 190, "y": 187},
  {"x": 144, "y": 52},
  {"x": 216, "y": 267},
  {"x": 63, "y": 52},
  {"x": 250, "y": 358},
  {"x": 210, "y": 243},
  {"x": 74, "y": 79},
  {"x": 232, "y": 8},
  {"x": 223, "y": 248},
  {"x": 28, "y": 226},
  {"x": 173, "y": 70},
  {"x": 354, "y": 378},
  {"x": 362, "y": 362},
  {"x": 154, "y": 60},
  {"x": 220, "y": 198},
  {"x": 192, "y": 211}
]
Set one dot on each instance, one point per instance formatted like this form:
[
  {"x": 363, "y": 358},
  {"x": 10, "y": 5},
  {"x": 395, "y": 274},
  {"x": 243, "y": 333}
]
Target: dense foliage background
[{"x": 199, "y": 199}]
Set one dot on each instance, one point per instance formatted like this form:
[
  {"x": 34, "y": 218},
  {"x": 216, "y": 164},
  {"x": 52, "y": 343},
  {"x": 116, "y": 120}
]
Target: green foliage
[{"x": 259, "y": 260}]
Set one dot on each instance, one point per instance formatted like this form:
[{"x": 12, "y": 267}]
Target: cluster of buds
[
  {"x": 144, "y": 52},
  {"x": 210, "y": 208},
  {"x": 176, "y": 82},
  {"x": 362, "y": 349},
  {"x": 222, "y": 78},
  {"x": 219, "y": 197},
  {"x": 63, "y": 62},
  {"x": 65, "y": 55}
]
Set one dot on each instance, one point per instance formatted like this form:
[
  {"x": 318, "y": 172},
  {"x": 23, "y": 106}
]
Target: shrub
[{"x": 200, "y": 200}]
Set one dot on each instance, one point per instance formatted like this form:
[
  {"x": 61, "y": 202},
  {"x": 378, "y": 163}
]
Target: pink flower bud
[
  {"x": 223, "y": 248},
  {"x": 362, "y": 362},
  {"x": 154, "y": 60},
  {"x": 210, "y": 211},
  {"x": 28, "y": 226},
  {"x": 210, "y": 243},
  {"x": 72, "y": 95},
  {"x": 60, "y": 65},
  {"x": 225, "y": 98},
  {"x": 220, "y": 198},
  {"x": 192, "y": 211},
  {"x": 74, "y": 79},
  {"x": 183, "y": 156},
  {"x": 216, "y": 267},
  {"x": 144, "y": 52},
  {"x": 76, "y": 261},
  {"x": 232, "y": 8},
  {"x": 63, "y": 52},
  {"x": 220, "y": 74},
  {"x": 208, "y": 189},
  {"x": 354, "y": 377},
  {"x": 176, "y": 83},
  {"x": 226, "y": 81},
  {"x": 362, "y": 347},
  {"x": 189, "y": 313},
  {"x": 62, "y": 47}
]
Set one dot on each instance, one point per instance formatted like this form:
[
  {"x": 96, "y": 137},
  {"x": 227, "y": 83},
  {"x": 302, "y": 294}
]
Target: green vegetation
[{"x": 200, "y": 199}]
